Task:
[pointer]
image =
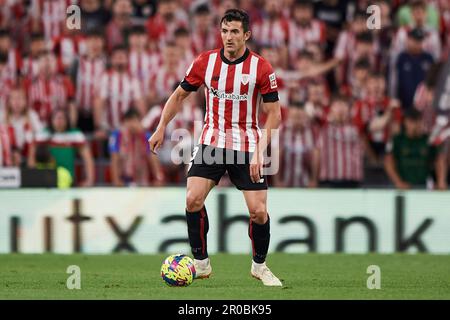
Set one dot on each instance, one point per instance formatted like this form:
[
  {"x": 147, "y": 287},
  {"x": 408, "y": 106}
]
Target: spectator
[
  {"x": 377, "y": 117},
  {"x": 341, "y": 149},
  {"x": 424, "y": 96},
  {"x": 45, "y": 160},
  {"x": 183, "y": 41},
  {"x": 273, "y": 30},
  {"x": 64, "y": 144},
  {"x": 94, "y": 16},
  {"x": 410, "y": 158},
  {"x": 85, "y": 72},
  {"x": 304, "y": 29},
  {"x": 30, "y": 63},
  {"x": 5, "y": 81},
  {"x": 411, "y": 67},
  {"x": 14, "y": 55},
  {"x": 48, "y": 17},
  {"x": 143, "y": 10},
  {"x": 202, "y": 37},
  {"x": 118, "y": 91},
  {"x": 143, "y": 63},
  {"x": 120, "y": 23},
  {"x": 355, "y": 90},
  {"x": 24, "y": 121},
  {"x": 298, "y": 150},
  {"x": 162, "y": 25},
  {"x": 130, "y": 155},
  {"x": 317, "y": 105},
  {"x": 51, "y": 90},
  {"x": 186, "y": 125},
  {"x": 408, "y": 13},
  {"x": 8, "y": 155},
  {"x": 169, "y": 73}
]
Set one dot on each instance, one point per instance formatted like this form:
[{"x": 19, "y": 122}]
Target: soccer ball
[{"x": 178, "y": 270}]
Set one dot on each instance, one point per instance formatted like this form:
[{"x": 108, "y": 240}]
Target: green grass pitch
[{"x": 305, "y": 276}]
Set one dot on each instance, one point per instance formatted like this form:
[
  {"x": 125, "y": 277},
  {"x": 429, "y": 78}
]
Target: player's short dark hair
[
  {"x": 237, "y": 15},
  {"x": 137, "y": 30},
  {"x": 412, "y": 114},
  {"x": 131, "y": 113},
  {"x": 181, "y": 32}
]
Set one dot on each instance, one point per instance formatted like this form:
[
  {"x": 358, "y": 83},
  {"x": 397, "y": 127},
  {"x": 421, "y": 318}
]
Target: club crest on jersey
[
  {"x": 273, "y": 81},
  {"x": 245, "y": 78}
]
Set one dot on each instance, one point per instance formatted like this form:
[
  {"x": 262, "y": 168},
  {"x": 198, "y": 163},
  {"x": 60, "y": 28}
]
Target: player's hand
[
  {"x": 156, "y": 140},
  {"x": 256, "y": 167}
]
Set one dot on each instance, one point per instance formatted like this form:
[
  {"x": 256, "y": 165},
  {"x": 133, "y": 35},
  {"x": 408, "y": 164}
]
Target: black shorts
[{"x": 211, "y": 163}]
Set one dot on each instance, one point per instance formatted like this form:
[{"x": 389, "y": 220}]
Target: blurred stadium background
[{"x": 363, "y": 145}]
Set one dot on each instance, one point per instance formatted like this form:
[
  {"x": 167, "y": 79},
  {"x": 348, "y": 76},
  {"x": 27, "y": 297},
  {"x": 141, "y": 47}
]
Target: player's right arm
[
  {"x": 192, "y": 81},
  {"x": 171, "y": 108}
]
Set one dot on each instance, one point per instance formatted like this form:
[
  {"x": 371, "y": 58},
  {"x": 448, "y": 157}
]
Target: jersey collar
[{"x": 237, "y": 61}]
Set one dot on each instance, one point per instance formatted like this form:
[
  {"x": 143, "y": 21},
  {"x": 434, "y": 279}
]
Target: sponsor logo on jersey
[
  {"x": 273, "y": 81},
  {"x": 227, "y": 96}
]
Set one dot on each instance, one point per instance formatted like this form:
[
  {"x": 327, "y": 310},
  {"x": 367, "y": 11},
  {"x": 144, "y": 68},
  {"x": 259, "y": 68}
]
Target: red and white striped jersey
[
  {"x": 51, "y": 14},
  {"x": 297, "y": 146},
  {"x": 203, "y": 42},
  {"x": 233, "y": 91},
  {"x": 142, "y": 66},
  {"x": 119, "y": 90},
  {"x": 6, "y": 83},
  {"x": 30, "y": 68},
  {"x": 6, "y": 146},
  {"x": 274, "y": 33},
  {"x": 88, "y": 73},
  {"x": 46, "y": 95},
  {"x": 163, "y": 81},
  {"x": 341, "y": 153},
  {"x": 364, "y": 111},
  {"x": 182, "y": 120},
  {"x": 67, "y": 49},
  {"x": 300, "y": 36},
  {"x": 25, "y": 129},
  {"x": 14, "y": 63}
]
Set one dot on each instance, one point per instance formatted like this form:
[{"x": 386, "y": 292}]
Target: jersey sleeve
[
  {"x": 195, "y": 74},
  {"x": 267, "y": 81}
]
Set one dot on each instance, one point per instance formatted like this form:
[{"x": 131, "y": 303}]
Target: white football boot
[
  {"x": 202, "y": 268},
  {"x": 261, "y": 272}
]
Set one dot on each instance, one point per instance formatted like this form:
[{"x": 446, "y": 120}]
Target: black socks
[
  {"x": 260, "y": 237},
  {"x": 198, "y": 227}
]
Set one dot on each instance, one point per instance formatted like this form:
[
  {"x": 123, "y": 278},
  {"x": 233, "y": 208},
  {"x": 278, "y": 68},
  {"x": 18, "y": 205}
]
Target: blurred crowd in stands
[{"x": 357, "y": 103}]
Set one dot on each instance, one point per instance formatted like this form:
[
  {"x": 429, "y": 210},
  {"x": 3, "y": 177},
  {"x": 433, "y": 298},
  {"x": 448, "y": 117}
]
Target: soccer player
[{"x": 235, "y": 80}]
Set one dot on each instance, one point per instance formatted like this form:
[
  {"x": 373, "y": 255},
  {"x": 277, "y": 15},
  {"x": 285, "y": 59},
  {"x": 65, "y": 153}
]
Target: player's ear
[{"x": 247, "y": 35}]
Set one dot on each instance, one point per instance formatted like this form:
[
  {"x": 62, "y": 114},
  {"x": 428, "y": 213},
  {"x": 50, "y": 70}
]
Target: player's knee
[
  {"x": 258, "y": 215},
  {"x": 194, "y": 202}
]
